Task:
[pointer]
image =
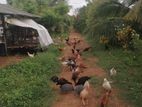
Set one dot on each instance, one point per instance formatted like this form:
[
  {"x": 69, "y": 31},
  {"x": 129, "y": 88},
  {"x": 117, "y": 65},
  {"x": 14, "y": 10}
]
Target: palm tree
[
  {"x": 135, "y": 14},
  {"x": 129, "y": 2}
]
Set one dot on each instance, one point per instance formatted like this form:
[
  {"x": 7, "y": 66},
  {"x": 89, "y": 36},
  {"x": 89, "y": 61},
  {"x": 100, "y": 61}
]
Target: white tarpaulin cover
[{"x": 44, "y": 36}]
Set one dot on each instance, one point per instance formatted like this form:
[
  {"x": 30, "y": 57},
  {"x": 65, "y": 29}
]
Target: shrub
[{"x": 126, "y": 36}]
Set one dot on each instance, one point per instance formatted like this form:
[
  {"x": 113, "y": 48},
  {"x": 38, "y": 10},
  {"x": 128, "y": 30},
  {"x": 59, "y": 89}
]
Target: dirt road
[{"x": 95, "y": 94}]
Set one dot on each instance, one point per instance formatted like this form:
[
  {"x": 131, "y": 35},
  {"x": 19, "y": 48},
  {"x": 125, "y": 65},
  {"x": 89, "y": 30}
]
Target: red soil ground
[{"x": 95, "y": 94}]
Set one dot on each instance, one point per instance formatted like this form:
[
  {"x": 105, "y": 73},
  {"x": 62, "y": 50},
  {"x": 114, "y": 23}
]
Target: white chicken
[
  {"x": 65, "y": 63},
  {"x": 30, "y": 55},
  {"x": 106, "y": 85},
  {"x": 85, "y": 93},
  {"x": 113, "y": 72}
]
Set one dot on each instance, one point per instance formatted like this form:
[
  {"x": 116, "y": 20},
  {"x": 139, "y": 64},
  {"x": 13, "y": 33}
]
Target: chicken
[
  {"x": 87, "y": 49},
  {"x": 78, "y": 89},
  {"x": 30, "y": 55},
  {"x": 106, "y": 85},
  {"x": 105, "y": 99},
  {"x": 82, "y": 80},
  {"x": 62, "y": 81},
  {"x": 75, "y": 74},
  {"x": 61, "y": 58},
  {"x": 68, "y": 42},
  {"x": 76, "y": 53},
  {"x": 66, "y": 88},
  {"x": 112, "y": 72},
  {"x": 54, "y": 79},
  {"x": 71, "y": 63},
  {"x": 65, "y": 63},
  {"x": 81, "y": 65},
  {"x": 78, "y": 41},
  {"x": 85, "y": 93},
  {"x": 61, "y": 49},
  {"x": 59, "y": 81}
]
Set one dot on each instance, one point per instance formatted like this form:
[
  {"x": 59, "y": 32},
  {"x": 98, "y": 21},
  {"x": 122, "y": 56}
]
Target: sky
[
  {"x": 73, "y": 3},
  {"x": 3, "y": 1}
]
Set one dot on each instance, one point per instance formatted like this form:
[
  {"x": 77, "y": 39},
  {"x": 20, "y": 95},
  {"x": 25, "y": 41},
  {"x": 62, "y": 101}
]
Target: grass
[
  {"x": 129, "y": 70},
  {"x": 27, "y": 84}
]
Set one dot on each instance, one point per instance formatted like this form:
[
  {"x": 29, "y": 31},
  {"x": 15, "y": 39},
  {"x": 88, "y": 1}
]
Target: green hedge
[{"x": 27, "y": 83}]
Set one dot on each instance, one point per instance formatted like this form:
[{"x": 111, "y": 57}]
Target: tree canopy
[{"x": 53, "y": 12}]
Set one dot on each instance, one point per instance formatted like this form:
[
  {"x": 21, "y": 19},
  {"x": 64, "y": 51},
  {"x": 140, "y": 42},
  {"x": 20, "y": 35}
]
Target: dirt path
[
  {"x": 71, "y": 100},
  {"x": 8, "y": 60}
]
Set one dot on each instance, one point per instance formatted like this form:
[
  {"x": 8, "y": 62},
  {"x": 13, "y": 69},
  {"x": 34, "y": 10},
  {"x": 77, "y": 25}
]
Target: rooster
[{"x": 30, "y": 55}]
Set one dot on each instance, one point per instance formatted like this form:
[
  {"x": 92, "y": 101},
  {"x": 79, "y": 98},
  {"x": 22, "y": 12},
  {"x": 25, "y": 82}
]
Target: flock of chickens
[{"x": 80, "y": 84}]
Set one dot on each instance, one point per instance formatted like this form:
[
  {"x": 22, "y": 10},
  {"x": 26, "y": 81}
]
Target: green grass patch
[
  {"x": 129, "y": 70},
  {"x": 27, "y": 83}
]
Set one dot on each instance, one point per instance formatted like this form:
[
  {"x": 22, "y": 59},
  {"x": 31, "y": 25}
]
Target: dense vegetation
[
  {"x": 26, "y": 84},
  {"x": 105, "y": 18},
  {"x": 112, "y": 28},
  {"x": 53, "y": 13},
  {"x": 114, "y": 31}
]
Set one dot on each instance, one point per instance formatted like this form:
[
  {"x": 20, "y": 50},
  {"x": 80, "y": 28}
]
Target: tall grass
[
  {"x": 128, "y": 65},
  {"x": 27, "y": 83}
]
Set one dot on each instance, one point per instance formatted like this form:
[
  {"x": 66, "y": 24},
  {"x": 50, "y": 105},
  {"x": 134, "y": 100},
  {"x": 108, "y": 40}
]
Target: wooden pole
[{"x": 4, "y": 33}]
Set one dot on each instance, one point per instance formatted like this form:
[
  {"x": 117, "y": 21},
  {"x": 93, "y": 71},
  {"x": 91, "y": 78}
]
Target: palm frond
[{"x": 135, "y": 13}]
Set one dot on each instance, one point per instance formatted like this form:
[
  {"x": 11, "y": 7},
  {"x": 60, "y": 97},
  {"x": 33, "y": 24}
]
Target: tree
[
  {"x": 135, "y": 14},
  {"x": 53, "y": 12},
  {"x": 129, "y": 2}
]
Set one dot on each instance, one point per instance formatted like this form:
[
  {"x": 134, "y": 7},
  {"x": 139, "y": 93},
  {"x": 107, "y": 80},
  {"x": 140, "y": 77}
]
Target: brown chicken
[
  {"x": 61, "y": 49},
  {"x": 105, "y": 99}
]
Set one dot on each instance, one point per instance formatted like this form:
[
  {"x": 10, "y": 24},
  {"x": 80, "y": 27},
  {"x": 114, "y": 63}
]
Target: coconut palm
[
  {"x": 129, "y": 2},
  {"x": 135, "y": 14}
]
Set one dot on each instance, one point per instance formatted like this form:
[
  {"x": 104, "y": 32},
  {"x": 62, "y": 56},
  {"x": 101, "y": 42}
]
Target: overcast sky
[
  {"x": 74, "y": 3},
  {"x": 3, "y": 1}
]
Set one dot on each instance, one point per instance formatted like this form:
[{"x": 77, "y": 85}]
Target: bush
[{"x": 127, "y": 36}]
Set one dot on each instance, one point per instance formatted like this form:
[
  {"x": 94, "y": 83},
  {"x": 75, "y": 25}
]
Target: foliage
[
  {"x": 80, "y": 20},
  {"x": 129, "y": 2},
  {"x": 25, "y": 84},
  {"x": 104, "y": 17},
  {"x": 104, "y": 22},
  {"x": 53, "y": 13},
  {"x": 100, "y": 18},
  {"x": 126, "y": 36},
  {"x": 135, "y": 14},
  {"x": 128, "y": 65},
  {"x": 104, "y": 40}
]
